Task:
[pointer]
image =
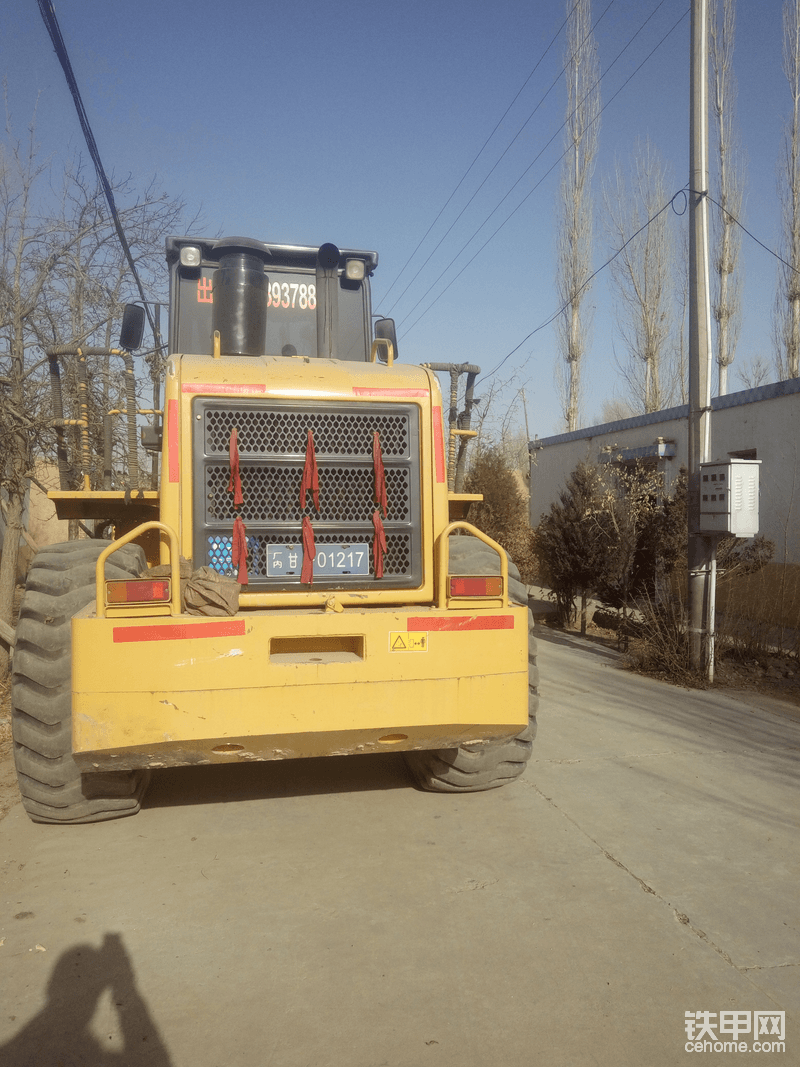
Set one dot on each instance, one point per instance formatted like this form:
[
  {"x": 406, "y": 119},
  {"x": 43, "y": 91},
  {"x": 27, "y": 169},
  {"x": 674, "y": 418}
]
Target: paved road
[{"x": 326, "y": 914}]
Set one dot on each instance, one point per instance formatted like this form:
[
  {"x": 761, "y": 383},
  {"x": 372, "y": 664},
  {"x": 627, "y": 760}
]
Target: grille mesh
[
  {"x": 272, "y": 444},
  {"x": 272, "y": 493},
  {"x": 284, "y": 433}
]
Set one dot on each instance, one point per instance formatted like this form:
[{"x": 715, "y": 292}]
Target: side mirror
[
  {"x": 132, "y": 331},
  {"x": 385, "y": 330}
]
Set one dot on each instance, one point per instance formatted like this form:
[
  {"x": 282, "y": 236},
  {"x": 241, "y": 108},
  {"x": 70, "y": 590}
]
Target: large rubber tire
[
  {"x": 60, "y": 582},
  {"x": 486, "y": 764}
]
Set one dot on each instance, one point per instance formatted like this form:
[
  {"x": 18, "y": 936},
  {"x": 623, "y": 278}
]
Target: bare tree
[
  {"x": 86, "y": 293},
  {"x": 61, "y": 281},
  {"x": 754, "y": 373},
  {"x": 615, "y": 410},
  {"x": 26, "y": 263},
  {"x": 788, "y": 301},
  {"x": 727, "y": 236},
  {"x": 575, "y": 223},
  {"x": 643, "y": 276}
]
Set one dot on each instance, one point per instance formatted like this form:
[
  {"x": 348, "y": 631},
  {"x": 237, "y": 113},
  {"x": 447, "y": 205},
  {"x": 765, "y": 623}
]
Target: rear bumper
[{"x": 285, "y": 684}]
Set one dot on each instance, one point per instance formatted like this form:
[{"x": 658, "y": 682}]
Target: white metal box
[{"x": 729, "y": 497}]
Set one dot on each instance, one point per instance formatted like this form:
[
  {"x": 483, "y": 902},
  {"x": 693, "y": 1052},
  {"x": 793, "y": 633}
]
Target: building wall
[{"x": 764, "y": 420}]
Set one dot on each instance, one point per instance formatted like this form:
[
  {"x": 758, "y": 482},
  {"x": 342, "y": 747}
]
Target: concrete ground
[{"x": 326, "y": 914}]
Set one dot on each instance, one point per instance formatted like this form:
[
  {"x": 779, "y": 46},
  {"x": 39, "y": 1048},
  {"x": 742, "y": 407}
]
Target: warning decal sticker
[{"x": 402, "y": 641}]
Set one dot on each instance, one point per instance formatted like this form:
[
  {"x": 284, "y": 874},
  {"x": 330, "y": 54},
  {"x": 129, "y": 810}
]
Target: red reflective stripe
[
  {"x": 222, "y": 387},
  {"x": 438, "y": 444},
  {"x": 172, "y": 441},
  {"x": 179, "y": 631},
  {"x": 461, "y": 622},
  {"x": 368, "y": 390}
]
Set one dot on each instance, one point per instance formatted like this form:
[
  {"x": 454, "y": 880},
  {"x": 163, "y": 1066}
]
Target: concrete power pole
[{"x": 701, "y": 549}]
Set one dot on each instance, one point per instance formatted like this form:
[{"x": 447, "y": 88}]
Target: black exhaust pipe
[
  {"x": 327, "y": 301},
  {"x": 240, "y": 289}
]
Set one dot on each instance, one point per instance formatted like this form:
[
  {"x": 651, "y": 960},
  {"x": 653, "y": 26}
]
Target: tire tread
[
  {"x": 479, "y": 766},
  {"x": 61, "y": 582}
]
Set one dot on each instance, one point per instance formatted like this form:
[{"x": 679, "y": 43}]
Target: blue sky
[{"x": 354, "y": 122}]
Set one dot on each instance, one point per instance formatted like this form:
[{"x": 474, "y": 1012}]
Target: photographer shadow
[{"x": 61, "y": 1035}]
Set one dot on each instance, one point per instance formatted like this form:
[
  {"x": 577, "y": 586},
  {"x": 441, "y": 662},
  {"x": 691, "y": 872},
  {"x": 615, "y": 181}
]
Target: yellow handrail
[
  {"x": 174, "y": 563},
  {"x": 444, "y": 559}
]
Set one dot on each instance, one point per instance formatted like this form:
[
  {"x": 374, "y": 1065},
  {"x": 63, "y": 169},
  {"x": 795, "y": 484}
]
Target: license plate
[{"x": 286, "y": 561}]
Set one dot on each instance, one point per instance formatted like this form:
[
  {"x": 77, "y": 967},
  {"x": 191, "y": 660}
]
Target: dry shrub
[
  {"x": 662, "y": 647},
  {"x": 503, "y": 512},
  {"x": 759, "y": 612}
]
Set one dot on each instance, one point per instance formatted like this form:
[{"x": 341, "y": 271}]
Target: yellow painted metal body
[
  {"x": 281, "y": 684},
  {"x": 302, "y": 673}
]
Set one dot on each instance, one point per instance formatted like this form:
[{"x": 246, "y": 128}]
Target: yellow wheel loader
[{"x": 303, "y": 581}]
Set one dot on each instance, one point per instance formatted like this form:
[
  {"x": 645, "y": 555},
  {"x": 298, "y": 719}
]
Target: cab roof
[{"x": 298, "y": 256}]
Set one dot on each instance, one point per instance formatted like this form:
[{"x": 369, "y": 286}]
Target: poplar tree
[
  {"x": 643, "y": 276},
  {"x": 727, "y": 236},
  {"x": 575, "y": 222},
  {"x": 788, "y": 300}
]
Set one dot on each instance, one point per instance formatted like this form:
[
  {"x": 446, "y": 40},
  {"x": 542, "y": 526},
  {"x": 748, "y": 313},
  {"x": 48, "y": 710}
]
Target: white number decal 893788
[{"x": 292, "y": 296}]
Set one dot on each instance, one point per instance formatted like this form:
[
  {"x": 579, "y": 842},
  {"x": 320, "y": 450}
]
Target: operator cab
[{"x": 289, "y": 293}]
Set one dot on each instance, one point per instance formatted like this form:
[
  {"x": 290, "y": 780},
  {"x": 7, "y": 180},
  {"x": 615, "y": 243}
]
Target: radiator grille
[
  {"x": 283, "y": 433},
  {"x": 272, "y": 493},
  {"x": 272, "y": 444}
]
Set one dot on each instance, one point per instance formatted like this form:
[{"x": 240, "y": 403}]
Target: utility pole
[
  {"x": 702, "y": 550},
  {"x": 525, "y": 409}
]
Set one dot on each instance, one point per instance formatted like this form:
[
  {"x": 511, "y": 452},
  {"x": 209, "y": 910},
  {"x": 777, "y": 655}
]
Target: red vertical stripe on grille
[
  {"x": 438, "y": 444},
  {"x": 239, "y": 550},
  {"x": 172, "y": 441},
  {"x": 309, "y": 552}
]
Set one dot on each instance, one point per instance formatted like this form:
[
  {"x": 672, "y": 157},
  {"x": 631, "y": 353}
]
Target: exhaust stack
[
  {"x": 327, "y": 301},
  {"x": 240, "y": 289}
]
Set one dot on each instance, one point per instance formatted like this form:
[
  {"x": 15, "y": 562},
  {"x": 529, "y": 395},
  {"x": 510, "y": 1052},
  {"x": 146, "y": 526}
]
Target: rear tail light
[
  {"x": 484, "y": 585},
  {"x": 138, "y": 591}
]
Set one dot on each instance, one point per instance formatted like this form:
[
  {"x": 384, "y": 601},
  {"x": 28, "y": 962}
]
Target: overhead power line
[
  {"x": 671, "y": 203},
  {"x": 478, "y": 155},
  {"x": 591, "y": 277},
  {"x": 496, "y": 164},
  {"x": 531, "y": 191},
  {"x": 752, "y": 236},
  {"x": 54, "y": 30}
]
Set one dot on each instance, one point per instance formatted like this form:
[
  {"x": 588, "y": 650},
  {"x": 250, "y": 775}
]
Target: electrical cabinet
[{"x": 729, "y": 497}]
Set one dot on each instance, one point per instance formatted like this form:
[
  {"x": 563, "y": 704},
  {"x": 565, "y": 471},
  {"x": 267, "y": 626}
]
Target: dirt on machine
[{"x": 302, "y": 582}]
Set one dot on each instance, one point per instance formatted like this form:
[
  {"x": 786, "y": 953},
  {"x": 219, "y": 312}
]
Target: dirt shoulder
[
  {"x": 9, "y": 794},
  {"x": 771, "y": 680}
]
